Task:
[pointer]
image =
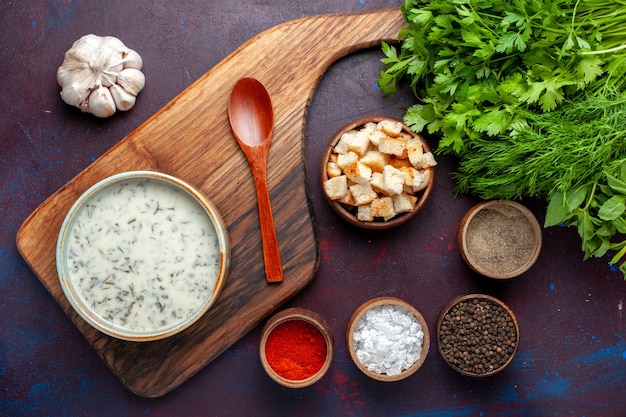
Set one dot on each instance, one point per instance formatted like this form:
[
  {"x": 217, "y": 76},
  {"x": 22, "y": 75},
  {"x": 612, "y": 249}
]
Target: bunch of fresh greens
[
  {"x": 558, "y": 150},
  {"x": 528, "y": 94},
  {"x": 475, "y": 63},
  {"x": 598, "y": 211}
]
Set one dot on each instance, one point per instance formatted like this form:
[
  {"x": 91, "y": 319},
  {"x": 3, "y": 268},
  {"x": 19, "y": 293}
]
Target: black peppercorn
[{"x": 477, "y": 336}]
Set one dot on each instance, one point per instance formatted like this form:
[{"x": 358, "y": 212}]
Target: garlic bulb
[{"x": 100, "y": 75}]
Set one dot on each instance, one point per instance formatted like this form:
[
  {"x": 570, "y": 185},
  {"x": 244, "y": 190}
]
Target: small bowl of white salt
[
  {"x": 142, "y": 255},
  {"x": 388, "y": 339}
]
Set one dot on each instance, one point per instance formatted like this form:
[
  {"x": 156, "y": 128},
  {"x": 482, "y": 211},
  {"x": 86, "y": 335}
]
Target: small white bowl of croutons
[{"x": 376, "y": 173}]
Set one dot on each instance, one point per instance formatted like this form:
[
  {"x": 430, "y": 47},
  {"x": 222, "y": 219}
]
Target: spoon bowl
[
  {"x": 251, "y": 119},
  {"x": 251, "y": 114}
]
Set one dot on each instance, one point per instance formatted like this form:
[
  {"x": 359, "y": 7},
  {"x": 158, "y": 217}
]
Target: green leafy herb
[
  {"x": 530, "y": 96},
  {"x": 473, "y": 64},
  {"x": 598, "y": 211},
  {"x": 559, "y": 150}
]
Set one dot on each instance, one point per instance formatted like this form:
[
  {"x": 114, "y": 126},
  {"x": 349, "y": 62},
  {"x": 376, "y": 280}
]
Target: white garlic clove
[
  {"x": 76, "y": 75},
  {"x": 93, "y": 41},
  {"x": 111, "y": 68},
  {"x": 115, "y": 67},
  {"x": 104, "y": 63},
  {"x": 87, "y": 45},
  {"x": 132, "y": 60},
  {"x": 109, "y": 78},
  {"x": 115, "y": 44},
  {"x": 100, "y": 102},
  {"x": 132, "y": 80},
  {"x": 78, "y": 58},
  {"x": 123, "y": 101},
  {"x": 74, "y": 94},
  {"x": 84, "y": 105}
]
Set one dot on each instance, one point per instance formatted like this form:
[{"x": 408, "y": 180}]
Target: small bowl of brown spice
[
  {"x": 499, "y": 239},
  {"x": 478, "y": 335}
]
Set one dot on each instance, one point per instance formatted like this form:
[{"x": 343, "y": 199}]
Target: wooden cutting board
[{"x": 190, "y": 138}]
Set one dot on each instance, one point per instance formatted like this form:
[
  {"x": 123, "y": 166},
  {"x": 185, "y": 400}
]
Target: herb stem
[
  {"x": 605, "y": 51},
  {"x": 591, "y": 195}
]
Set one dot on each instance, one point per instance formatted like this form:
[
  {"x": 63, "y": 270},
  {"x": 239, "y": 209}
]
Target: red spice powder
[{"x": 295, "y": 349}]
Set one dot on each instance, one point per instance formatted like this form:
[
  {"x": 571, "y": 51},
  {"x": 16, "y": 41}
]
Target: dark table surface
[{"x": 572, "y": 356}]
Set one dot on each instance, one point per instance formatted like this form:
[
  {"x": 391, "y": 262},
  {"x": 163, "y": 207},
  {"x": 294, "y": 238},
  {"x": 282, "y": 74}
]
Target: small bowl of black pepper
[{"x": 477, "y": 334}]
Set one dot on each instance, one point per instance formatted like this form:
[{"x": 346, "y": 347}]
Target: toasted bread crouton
[
  {"x": 358, "y": 172},
  {"x": 403, "y": 202},
  {"x": 343, "y": 145},
  {"x": 348, "y": 199},
  {"x": 362, "y": 193},
  {"x": 360, "y": 143},
  {"x": 390, "y": 127},
  {"x": 375, "y": 137},
  {"x": 383, "y": 207},
  {"x": 364, "y": 213},
  {"x": 336, "y": 188},
  {"x": 426, "y": 160},
  {"x": 375, "y": 160},
  {"x": 410, "y": 173},
  {"x": 414, "y": 149},
  {"x": 417, "y": 180},
  {"x": 392, "y": 146},
  {"x": 378, "y": 182},
  {"x": 421, "y": 179},
  {"x": 345, "y": 160},
  {"x": 396, "y": 162},
  {"x": 369, "y": 127},
  {"x": 393, "y": 181},
  {"x": 332, "y": 169}
]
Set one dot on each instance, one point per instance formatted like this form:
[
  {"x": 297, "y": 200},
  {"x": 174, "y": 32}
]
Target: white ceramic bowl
[{"x": 142, "y": 255}]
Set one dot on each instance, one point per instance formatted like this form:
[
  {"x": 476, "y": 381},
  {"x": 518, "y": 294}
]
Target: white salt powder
[{"x": 388, "y": 339}]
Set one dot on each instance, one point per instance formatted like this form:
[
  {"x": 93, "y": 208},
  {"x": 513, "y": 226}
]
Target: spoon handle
[{"x": 271, "y": 252}]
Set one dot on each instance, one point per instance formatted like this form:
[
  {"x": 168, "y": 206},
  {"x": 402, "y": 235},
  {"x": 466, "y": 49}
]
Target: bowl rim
[
  {"x": 376, "y": 302},
  {"x": 296, "y": 313},
  {"x": 84, "y": 311},
  {"x": 528, "y": 216},
  {"x": 479, "y": 296},
  {"x": 340, "y": 210}
]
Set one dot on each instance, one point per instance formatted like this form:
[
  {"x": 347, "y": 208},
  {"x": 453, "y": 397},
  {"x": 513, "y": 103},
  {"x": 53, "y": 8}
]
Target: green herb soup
[{"x": 143, "y": 255}]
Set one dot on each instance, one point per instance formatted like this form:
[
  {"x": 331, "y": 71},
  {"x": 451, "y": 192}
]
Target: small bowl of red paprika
[{"x": 296, "y": 347}]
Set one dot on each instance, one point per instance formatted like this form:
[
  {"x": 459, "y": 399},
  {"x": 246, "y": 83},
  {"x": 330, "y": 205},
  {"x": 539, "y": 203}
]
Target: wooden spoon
[{"x": 251, "y": 119}]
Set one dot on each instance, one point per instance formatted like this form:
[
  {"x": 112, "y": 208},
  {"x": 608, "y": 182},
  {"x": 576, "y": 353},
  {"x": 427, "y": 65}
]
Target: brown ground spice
[{"x": 500, "y": 241}]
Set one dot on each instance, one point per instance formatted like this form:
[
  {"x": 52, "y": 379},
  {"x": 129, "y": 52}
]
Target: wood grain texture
[
  {"x": 190, "y": 138},
  {"x": 251, "y": 117}
]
